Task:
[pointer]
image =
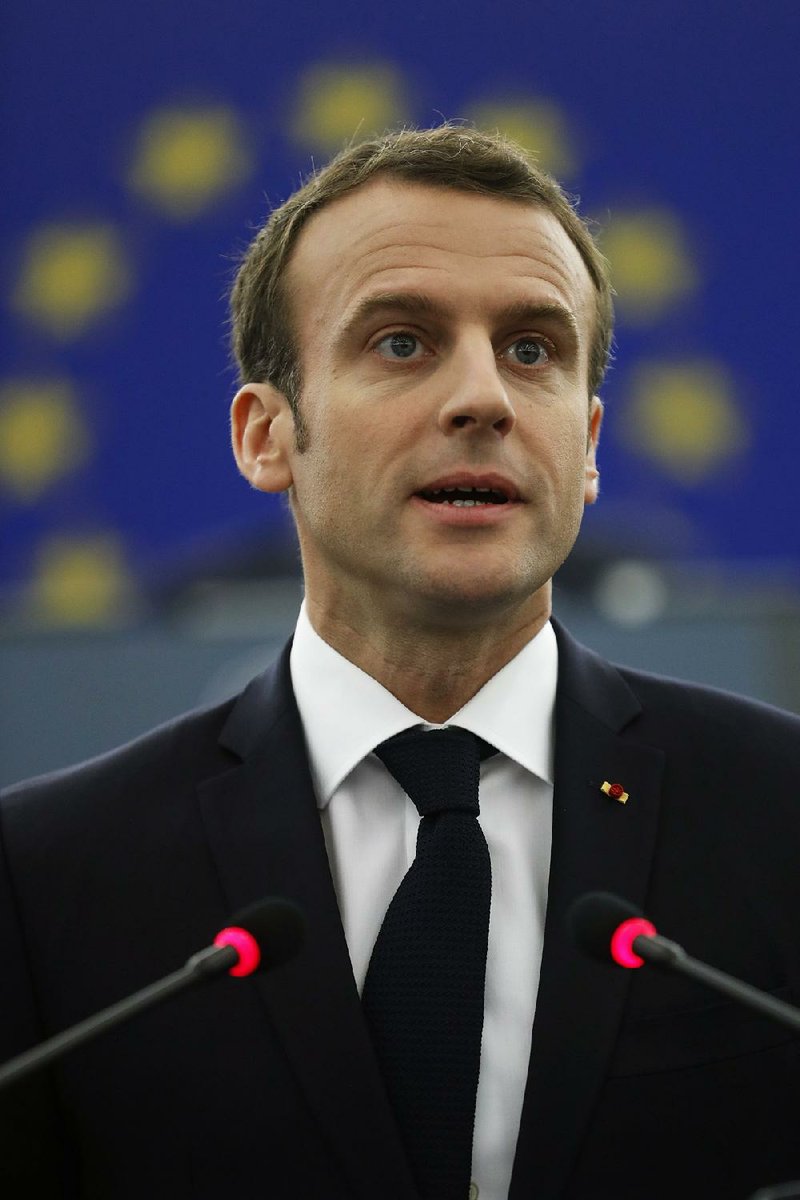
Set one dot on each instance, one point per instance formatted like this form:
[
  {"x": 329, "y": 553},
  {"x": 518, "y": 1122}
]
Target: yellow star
[
  {"x": 187, "y": 158},
  {"x": 685, "y": 417},
  {"x": 651, "y": 265},
  {"x": 42, "y": 435},
  {"x": 71, "y": 275},
  {"x": 538, "y": 125},
  {"x": 339, "y": 104},
  {"x": 81, "y": 582}
]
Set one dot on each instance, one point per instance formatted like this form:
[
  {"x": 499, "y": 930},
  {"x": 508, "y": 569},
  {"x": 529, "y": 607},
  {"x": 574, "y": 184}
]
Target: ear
[
  {"x": 261, "y": 435},
  {"x": 592, "y": 475}
]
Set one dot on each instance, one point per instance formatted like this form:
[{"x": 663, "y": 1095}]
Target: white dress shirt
[{"x": 370, "y": 828}]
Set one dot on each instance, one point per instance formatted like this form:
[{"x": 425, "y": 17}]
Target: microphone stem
[
  {"x": 211, "y": 961},
  {"x": 663, "y": 953}
]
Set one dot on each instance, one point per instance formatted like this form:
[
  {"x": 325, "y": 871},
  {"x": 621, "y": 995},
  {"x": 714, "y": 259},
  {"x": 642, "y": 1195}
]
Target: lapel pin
[{"x": 615, "y": 790}]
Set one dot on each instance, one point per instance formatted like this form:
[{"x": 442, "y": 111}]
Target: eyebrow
[{"x": 416, "y": 303}]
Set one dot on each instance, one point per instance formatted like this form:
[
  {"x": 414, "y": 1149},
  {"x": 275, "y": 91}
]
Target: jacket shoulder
[
  {"x": 176, "y": 755},
  {"x": 676, "y": 714},
  {"x": 687, "y": 701},
  {"x": 185, "y": 748}
]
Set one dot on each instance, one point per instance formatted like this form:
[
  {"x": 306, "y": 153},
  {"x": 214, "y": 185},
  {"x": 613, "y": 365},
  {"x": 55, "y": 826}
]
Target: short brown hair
[{"x": 451, "y": 156}]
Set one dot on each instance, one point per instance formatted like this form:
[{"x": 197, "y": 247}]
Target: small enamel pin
[{"x": 615, "y": 790}]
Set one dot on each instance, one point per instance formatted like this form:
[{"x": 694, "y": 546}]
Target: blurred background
[{"x": 144, "y": 144}]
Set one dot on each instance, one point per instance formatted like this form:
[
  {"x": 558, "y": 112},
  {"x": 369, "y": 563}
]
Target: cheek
[
  {"x": 333, "y": 475},
  {"x": 338, "y": 420},
  {"x": 563, "y": 449}
]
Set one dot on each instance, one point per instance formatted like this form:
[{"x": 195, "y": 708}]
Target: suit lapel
[
  {"x": 599, "y": 844},
  {"x": 265, "y": 835}
]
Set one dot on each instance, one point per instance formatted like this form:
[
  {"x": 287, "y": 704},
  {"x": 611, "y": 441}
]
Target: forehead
[{"x": 471, "y": 251}]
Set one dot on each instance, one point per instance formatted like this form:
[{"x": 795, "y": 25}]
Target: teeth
[
  {"x": 468, "y": 496},
  {"x": 439, "y": 491}
]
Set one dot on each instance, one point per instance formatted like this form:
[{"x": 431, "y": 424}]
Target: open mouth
[{"x": 464, "y": 497}]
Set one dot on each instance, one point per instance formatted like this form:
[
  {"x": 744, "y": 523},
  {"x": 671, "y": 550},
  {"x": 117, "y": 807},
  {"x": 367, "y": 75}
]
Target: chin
[{"x": 470, "y": 600}]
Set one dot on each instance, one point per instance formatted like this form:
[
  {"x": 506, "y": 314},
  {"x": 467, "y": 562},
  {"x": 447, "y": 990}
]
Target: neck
[{"x": 432, "y": 669}]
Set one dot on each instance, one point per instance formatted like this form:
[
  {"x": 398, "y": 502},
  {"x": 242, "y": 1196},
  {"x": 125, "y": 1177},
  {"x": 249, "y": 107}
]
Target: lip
[
  {"x": 480, "y": 515},
  {"x": 471, "y": 517},
  {"x": 473, "y": 479}
]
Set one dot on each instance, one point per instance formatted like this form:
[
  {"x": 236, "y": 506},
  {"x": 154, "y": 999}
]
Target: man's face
[{"x": 474, "y": 376}]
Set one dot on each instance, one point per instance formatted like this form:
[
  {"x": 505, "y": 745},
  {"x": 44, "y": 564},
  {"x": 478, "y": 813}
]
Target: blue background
[{"x": 688, "y": 108}]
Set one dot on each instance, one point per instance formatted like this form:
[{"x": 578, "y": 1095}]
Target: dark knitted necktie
[{"x": 424, "y": 990}]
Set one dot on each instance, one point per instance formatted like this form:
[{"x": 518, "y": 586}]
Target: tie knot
[{"x": 439, "y": 769}]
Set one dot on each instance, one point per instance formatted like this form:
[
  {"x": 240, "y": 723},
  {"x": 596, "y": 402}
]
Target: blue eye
[
  {"x": 530, "y": 352},
  {"x": 532, "y": 346},
  {"x": 402, "y": 343}
]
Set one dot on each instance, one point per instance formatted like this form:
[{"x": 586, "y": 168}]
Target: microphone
[
  {"x": 262, "y": 936},
  {"x": 610, "y": 929}
]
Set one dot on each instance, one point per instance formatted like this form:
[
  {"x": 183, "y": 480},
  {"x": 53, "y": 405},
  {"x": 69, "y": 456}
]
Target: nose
[{"x": 477, "y": 399}]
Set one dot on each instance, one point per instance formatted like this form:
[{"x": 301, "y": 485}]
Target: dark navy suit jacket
[{"x": 641, "y": 1086}]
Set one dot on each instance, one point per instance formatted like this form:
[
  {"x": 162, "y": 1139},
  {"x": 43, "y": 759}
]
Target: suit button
[{"x": 473, "y": 1191}]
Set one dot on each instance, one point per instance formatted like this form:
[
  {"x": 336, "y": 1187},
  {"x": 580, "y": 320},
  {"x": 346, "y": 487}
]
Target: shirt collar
[{"x": 346, "y": 713}]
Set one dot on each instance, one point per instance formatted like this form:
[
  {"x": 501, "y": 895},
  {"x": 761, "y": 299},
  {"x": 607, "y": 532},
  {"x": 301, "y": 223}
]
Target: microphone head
[
  {"x": 277, "y": 925},
  {"x": 593, "y": 920}
]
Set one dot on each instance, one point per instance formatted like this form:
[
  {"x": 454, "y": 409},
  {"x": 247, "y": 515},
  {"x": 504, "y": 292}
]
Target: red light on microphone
[
  {"x": 244, "y": 944},
  {"x": 623, "y": 938}
]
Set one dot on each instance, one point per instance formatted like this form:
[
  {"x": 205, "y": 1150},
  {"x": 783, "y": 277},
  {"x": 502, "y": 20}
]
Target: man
[{"x": 422, "y": 332}]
